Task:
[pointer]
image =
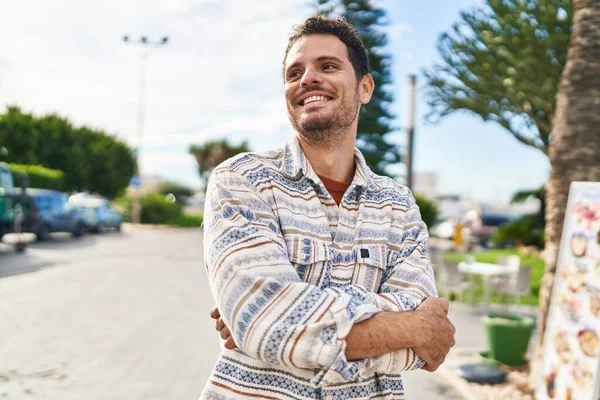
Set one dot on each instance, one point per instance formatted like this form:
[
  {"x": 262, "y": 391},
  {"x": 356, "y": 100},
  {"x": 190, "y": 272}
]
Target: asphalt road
[{"x": 117, "y": 316}]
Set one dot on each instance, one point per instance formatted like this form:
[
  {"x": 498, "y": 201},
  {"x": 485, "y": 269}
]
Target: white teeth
[{"x": 314, "y": 98}]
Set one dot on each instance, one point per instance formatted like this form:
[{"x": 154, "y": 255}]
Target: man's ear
[{"x": 366, "y": 87}]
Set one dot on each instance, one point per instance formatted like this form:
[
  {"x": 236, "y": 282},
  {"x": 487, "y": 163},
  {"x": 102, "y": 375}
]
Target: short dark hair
[{"x": 339, "y": 28}]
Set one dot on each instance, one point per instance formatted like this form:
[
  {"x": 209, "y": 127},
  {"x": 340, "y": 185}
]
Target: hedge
[
  {"x": 39, "y": 177},
  {"x": 156, "y": 209}
]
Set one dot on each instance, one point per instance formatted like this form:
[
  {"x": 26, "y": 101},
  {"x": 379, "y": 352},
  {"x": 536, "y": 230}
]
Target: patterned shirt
[{"x": 291, "y": 273}]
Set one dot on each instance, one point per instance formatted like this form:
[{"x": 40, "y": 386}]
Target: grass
[
  {"x": 491, "y": 256},
  {"x": 188, "y": 221}
]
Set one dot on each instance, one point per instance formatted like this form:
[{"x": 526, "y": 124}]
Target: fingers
[
  {"x": 225, "y": 333},
  {"x": 444, "y": 303},
  {"x": 223, "y": 330},
  {"x": 429, "y": 367},
  {"x": 432, "y": 362},
  {"x": 220, "y": 324},
  {"x": 230, "y": 344}
]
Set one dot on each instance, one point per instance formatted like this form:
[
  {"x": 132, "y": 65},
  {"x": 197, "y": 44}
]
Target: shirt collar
[{"x": 295, "y": 165}]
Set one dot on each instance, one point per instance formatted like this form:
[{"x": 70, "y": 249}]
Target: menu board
[{"x": 571, "y": 358}]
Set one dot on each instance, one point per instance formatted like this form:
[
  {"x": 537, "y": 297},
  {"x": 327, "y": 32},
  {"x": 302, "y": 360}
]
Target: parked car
[
  {"x": 49, "y": 211},
  {"x": 98, "y": 214},
  {"x": 483, "y": 226}
]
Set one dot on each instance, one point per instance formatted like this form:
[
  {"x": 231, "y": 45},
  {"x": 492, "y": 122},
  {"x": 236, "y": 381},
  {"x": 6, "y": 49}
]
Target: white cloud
[
  {"x": 167, "y": 159},
  {"x": 270, "y": 120},
  {"x": 219, "y": 75}
]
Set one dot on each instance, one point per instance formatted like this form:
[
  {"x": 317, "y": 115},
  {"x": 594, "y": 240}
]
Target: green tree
[
  {"x": 376, "y": 119},
  {"x": 503, "y": 61},
  {"x": 212, "y": 153},
  {"x": 90, "y": 159}
]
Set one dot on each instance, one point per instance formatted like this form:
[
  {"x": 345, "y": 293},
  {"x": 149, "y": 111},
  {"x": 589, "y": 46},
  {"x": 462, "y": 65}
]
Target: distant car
[
  {"x": 98, "y": 215},
  {"x": 49, "y": 211},
  {"x": 485, "y": 225}
]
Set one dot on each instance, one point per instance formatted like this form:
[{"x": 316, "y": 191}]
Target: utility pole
[
  {"x": 136, "y": 181},
  {"x": 412, "y": 99}
]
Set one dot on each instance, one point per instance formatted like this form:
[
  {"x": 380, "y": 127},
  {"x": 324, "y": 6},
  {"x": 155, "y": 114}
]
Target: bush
[
  {"x": 526, "y": 231},
  {"x": 181, "y": 192},
  {"x": 428, "y": 209},
  {"x": 39, "y": 177},
  {"x": 188, "y": 221},
  {"x": 156, "y": 209}
]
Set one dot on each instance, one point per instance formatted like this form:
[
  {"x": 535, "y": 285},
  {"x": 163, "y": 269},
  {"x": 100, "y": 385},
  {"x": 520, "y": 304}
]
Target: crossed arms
[{"x": 277, "y": 318}]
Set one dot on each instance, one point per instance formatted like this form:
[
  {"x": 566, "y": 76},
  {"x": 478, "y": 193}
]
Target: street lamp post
[
  {"x": 146, "y": 45},
  {"x": 410, "y": 128}
]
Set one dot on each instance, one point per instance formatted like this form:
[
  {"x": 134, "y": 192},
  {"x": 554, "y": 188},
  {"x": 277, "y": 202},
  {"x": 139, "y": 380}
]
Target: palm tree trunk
[{"x": 575, "y": 145}]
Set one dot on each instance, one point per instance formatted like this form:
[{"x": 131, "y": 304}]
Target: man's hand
[
  {"x": 435, "y": 330},
  {"x": 224, "y": 331}
]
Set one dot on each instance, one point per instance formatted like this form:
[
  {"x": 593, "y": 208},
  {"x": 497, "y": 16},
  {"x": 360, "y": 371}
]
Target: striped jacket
[{"x": 291, "y": 272}]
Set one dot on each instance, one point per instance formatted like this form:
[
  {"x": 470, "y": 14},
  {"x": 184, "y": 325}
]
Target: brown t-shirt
[{"x": 336, "y": 189}]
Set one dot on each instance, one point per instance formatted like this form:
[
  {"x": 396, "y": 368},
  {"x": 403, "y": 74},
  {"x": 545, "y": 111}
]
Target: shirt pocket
[
  {"x": 370, "y": 266},
  {"x": 311, "y": 259}
]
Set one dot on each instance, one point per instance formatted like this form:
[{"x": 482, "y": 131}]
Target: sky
[{"x": 219, "y": 76}]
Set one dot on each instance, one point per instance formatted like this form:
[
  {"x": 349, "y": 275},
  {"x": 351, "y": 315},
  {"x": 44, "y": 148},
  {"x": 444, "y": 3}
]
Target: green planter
[{"x": 508, "y": 337}]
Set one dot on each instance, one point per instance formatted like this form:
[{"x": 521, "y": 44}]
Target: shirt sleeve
[
  {"x": 407, "y": 284},
  {"x": 272, "y": 314}
]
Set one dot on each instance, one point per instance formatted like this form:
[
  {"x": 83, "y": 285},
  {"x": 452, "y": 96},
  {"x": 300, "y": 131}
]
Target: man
[{"x": 319, "y": 267}]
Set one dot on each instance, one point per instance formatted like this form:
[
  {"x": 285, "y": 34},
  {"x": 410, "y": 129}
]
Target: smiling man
[{"x": 319, "y": 267}]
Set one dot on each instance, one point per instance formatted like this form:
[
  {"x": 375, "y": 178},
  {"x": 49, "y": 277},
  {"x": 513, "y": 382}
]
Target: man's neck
[{"x": 335, "y": 162}]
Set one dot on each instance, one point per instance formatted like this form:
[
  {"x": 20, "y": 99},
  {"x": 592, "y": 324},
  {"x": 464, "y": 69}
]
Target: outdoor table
[{"x": 485, "y": 270}]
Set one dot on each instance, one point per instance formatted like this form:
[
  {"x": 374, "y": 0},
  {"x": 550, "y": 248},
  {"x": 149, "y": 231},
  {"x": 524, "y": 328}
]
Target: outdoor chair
[
  {"x": 448, "y": 278},
  {"x": 513, "y": 262},
  {"x": 515, "y": 286}
]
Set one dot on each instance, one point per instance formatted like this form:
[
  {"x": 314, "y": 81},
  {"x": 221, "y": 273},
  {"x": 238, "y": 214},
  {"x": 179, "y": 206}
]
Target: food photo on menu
[{"x": 571, "y": 354}]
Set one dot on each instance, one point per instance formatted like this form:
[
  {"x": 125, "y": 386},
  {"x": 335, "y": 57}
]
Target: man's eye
[
  {"x": 294, "y": 75},
  {"x": 329, "y": 66}
]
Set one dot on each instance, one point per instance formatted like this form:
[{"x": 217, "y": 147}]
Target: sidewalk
[{"x": 125, "y": 316}]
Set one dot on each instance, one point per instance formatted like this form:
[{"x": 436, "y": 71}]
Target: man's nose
[{"x": 311, "y": 77}]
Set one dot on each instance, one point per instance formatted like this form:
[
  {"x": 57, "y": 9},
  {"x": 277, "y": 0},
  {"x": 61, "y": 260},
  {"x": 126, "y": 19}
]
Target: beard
[{"x": 326, "y": 129}]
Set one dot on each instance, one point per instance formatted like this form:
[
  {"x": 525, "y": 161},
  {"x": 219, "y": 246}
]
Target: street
[{"x": 117, "y": 316}]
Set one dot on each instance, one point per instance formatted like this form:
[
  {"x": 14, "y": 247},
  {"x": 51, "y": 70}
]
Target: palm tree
[
  {"x": 575, "y": 147},
  {"x": 539, "y": 194},
  {"x": 212, "y": 153}
]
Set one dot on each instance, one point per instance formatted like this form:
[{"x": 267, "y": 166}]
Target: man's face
[{"x": 321, "y": 89}]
